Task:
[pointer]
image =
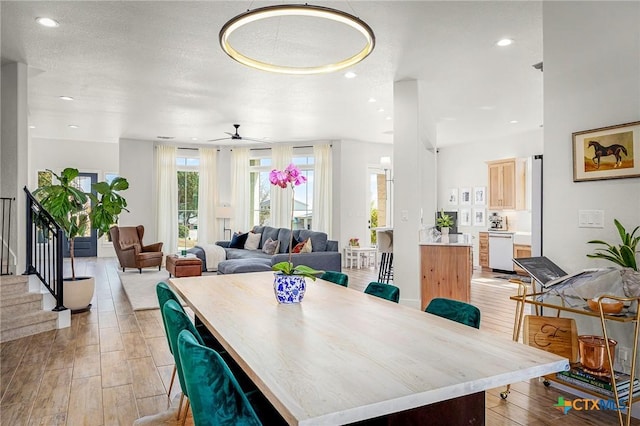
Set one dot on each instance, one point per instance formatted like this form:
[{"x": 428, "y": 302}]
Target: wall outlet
[{"x": 590, "y": 218}]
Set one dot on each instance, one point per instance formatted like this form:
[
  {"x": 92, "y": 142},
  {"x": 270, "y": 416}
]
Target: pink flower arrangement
[
  {"x": 290, "y": 175},
  {"x": 282, "y": 178}
]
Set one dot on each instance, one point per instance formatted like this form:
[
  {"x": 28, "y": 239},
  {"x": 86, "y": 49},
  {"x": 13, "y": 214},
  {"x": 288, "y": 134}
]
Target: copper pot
[{"x": 593, "y": 354}]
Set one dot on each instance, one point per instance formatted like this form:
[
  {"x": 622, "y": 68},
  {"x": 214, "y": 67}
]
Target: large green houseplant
[
  {"x": 624, "y": 255},
  {"x": 65, "y": 202}
]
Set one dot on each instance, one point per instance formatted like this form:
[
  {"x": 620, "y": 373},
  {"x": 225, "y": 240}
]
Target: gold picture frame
[{"x": 607, "y": 153}]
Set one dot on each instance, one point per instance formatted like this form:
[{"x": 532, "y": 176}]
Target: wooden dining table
[{"x": 342, "y": 356}]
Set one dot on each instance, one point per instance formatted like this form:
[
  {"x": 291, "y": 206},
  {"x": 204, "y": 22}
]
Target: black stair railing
[
  {"x": 5, "y": 236},
  {"x": 44, "y": 244}
]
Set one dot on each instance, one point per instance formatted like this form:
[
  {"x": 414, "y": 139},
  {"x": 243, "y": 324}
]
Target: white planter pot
[
  {"x": 631, "y": 282},
  {"x": 78, "y": 293},
  {"x": 444, "y": 230}
]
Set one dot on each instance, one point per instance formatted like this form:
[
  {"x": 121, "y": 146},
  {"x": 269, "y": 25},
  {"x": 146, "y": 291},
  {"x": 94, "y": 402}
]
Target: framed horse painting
[{"x": 607, "y": 153}]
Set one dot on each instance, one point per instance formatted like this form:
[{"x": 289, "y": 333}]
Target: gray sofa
[{"x": 325, "y": 254}]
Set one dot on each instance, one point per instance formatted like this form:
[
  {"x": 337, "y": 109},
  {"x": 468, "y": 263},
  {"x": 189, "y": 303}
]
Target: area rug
[{"x": 141, "y": 287}]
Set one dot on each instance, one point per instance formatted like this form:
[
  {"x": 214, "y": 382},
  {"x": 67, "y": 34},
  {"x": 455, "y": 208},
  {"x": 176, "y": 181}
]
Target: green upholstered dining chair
[
  {"x": 384, "y": 291},
  {"x": 214, "y": 393},
  {"x": 164, "y": 293},
  {"x": 455, "y": 310},
  {"x": 336, "y": 278},
  {"x": 177, "y": 320}
]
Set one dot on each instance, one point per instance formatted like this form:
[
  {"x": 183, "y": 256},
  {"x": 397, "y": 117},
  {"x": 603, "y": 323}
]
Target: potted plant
[
  {"x": 444, "y": 221},
  {"x": 624, "y": 255},
  {"x": 66, "y": 204},
  {"x": 289, "y": 284}
]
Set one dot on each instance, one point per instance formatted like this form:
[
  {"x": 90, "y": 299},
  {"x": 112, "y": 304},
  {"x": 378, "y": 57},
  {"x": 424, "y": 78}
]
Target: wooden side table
[{"x": 179, "y": 266}]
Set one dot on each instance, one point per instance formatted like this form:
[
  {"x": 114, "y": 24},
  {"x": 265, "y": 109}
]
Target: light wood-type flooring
[{"x": 113, "y": 365}]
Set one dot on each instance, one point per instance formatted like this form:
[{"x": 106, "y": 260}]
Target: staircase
[{"x": 21, "y": 312}]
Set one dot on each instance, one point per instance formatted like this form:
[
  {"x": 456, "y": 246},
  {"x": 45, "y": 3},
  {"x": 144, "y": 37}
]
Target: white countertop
[{"x": 450, "y": 240}]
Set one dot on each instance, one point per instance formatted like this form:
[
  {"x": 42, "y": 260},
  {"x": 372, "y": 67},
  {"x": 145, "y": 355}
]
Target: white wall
[
  {"x": 465, "y": 166},
  {"x": 137, "y": 160},
  {"x": 15, "y": 157},
  {"x": 591, "y": 80}
]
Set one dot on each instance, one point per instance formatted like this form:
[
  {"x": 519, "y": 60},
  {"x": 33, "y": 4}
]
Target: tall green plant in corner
[
  {"x": 66, "y": 204},
  {"x": 623, "y": 254}
]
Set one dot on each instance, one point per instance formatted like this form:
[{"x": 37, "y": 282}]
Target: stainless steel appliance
[
  {"x": 497, "y": 222},
  {"x": 501, "y": 251}
]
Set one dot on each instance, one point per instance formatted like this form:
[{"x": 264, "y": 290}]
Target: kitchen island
[{"x": 446, "y": 266}]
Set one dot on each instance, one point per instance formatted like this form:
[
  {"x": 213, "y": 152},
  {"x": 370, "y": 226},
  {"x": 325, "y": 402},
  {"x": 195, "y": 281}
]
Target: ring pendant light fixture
[{"x": 296, "y": 10}]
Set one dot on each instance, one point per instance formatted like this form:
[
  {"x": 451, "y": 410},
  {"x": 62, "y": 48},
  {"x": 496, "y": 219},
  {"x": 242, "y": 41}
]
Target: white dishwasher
[{"x": 501, "y": 251}]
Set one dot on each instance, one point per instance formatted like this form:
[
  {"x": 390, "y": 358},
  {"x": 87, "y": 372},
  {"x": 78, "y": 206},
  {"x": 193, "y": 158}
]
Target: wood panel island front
[{"x": 446, "y": 266}]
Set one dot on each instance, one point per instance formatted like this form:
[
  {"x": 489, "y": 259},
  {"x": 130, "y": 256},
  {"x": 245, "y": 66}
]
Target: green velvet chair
[
  {"x": 384, "y": 291},
  {"x": 455, "y": 310},
  {"x": 214, "y": 393},
  {"x": 177, "y": 320},
  {"x": 165, "y": 293},
  {"x": 336, "y": 278}
]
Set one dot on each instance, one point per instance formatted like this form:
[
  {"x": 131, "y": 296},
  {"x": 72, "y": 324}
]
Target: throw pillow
[
  {"x": 253, "y": 241},
  {"x": 294, "y": 243},
  {"x": 303, "y": 247},
  {"x": 238, "y": 240},
  {"x": 307, "y": 248},
  {"x": 271, "y": 247}
]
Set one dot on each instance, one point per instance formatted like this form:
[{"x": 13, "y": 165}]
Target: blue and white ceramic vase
[{"x": 289, "y": 288}]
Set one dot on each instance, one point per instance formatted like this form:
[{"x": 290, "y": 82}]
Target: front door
[{"x": 87, "y": 245}]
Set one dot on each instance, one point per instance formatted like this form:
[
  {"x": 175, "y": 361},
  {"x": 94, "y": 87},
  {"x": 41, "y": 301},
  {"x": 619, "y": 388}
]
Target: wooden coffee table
[{"x": 179, "y": 266}]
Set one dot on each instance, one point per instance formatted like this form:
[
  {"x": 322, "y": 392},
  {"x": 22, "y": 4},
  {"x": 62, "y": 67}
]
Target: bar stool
[{"x": 385, "y": 247}]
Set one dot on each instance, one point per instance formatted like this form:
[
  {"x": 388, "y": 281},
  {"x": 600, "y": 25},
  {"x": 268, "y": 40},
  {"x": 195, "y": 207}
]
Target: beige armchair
[{"x": 127, "y": 242}]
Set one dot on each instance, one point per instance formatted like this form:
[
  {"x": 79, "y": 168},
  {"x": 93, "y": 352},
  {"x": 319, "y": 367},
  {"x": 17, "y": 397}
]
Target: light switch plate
[{"x": 590, "y": 218}]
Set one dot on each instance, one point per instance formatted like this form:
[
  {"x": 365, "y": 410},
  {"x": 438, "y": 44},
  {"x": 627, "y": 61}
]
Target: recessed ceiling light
[
  {"x": 504, "y": 42},
  {"x": 47, "y": 22},
  {"x": 388, "y": 118},
  {"x": 487, "y": 107},
  {"x": 73, "y": 126},
  {"x": 381, "y": 110},
  {"x": 513, "y": 121},
  {"x": 32, "y": 127},
  {"x": 350, "y": 74},
  {"x": 66, "y": 98},
  {"x": 372, "y": 99},
  {"x": 194, "y": 139}
]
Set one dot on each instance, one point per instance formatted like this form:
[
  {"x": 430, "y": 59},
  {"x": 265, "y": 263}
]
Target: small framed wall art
[
  {"x": 452, "y": 198},
  {"x": 479, "y": 217},
  {"x": 607, "y": 153},
  {"x": 464, "y": 217},
  {"x": 465, "y": 196},
  {"x": 479, "y": 195}
]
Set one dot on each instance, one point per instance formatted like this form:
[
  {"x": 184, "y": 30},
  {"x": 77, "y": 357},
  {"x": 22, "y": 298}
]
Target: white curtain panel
[
  {"x": 208, "y": 232},
  {"x": 167, "y": 200},
  {"x": 240, "y": 189},
  {"x": 322, "y": 175},
  {"x": 281, "y": 198}
]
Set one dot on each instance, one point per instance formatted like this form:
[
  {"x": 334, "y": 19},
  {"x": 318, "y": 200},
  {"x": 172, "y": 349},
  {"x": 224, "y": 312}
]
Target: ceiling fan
[{"x": 236, "y": 136}]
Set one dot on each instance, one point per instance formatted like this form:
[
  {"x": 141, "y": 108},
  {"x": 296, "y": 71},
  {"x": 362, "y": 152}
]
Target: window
[
  {"x": 187, "y": 199},
  {"x": 260, "y": 187},
  {"x": 260, "y": 165},
  {"x": 303, "y": 200}
]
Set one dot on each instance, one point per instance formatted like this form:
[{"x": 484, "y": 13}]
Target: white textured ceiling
[{"x": 145, "y": 69}]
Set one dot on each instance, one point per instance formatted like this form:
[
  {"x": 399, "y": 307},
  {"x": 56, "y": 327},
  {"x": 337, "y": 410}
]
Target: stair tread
[
  {"x": 22, "y": 297},
  {"x": 28, "y": 318}
]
